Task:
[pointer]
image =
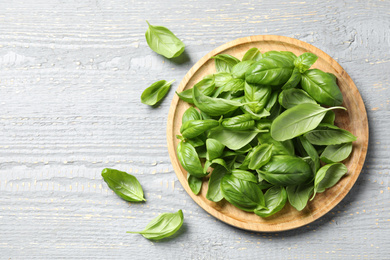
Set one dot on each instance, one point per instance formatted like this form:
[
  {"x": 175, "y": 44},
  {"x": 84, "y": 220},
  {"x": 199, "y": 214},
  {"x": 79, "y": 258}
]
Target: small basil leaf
[
  {"x": 206, "y": 86},
  {"x": 191, "y": 114},
  {"x": 241, "y": 122},
  {"x": 238, "y": 70},
  {"x": 255, "y": 116},
  {"x": 155, "y": 92},
  {"x": 221, "y": 78},
  {"x": 234, "y": 139},
  {"x": 162, "y": 226},
  {"x": 260, "y": 156},
  {"x": 292, "y": 97},
  {"x": 330, "y": 137},
  {"x": 214, "y": 149},
  {"x": 195, "y": 183},
  {"x": 233, "y": 86},
  {"x": 298, "y": 120},
  {"x": 293, "y": 81},
  {"x": 244, "y": 175},
  {"x": 327, "y": 176},
  {"x": 163, "y": 41},
  {"x": 336, "y": 153},
  {"x": 214, "y": 189},
  {"x": 193, "y": 128},
  {"x": 257, "y": 96},
  {"x": 305, "y": 61},
  {"x": 123, "y": 184},
  {"x": 275, "y": 199},
  {"x": 188, "y": 158},
  {"x": 252, "y": 54},
  {"x": 225, "y": 62},
  {"x": 298, "y": 195},
  {"x": 311, "y": 151}
]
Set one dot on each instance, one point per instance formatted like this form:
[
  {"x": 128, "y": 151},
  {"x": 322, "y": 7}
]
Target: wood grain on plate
[{"x": 354, "y": 120}]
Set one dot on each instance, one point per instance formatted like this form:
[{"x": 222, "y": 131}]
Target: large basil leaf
[
  {"x": 162, "y": 226},
  {"x": 244, "y": 175},
  {"x": 322, "y": 87},
  {"x": 298, "y": 195},
  {"x": 193, "y": 128},
  {"x": 155, "y": 92},
  {"x": 272, "y": 70},
  {"x": 292, "y": 97},
  {"x": 163, "y": 41},
  {"x": 252, "y": 54},
  {"x": 244, "y": 195},
  {"x": 336, "y": 153},
  {"x": 260, "y": 156},
  {"x": 191, "y": 114},
  {"x": 275, "y": 199},
  {"x": 123, "y": 184},
  {"x": 214, "y": 149},
  {"x": 206, "y": 86},
  {"x": 294, "y": 80},
  {"x": 327, "y": 176},
  {"x": 188, "y": 158},
  {"x": 234, "y": 139},
  {"x": 284, "y": 170},
  {"x": 330, "y": 136},
  {"x": 241, "y": 122},
  {"x": 213, "y": 106},
  {"x": 214, "y": 190},
  {"x": 225, "y": 62},
  {"x": 305, "y": 61},
  {"x": 238, "y": 70},
  {"x": 195, "y": 183},
  {"x": 257, "y": 96},
  {"x": 298, "y": 120},
  {"x": 312, "y": 152}
]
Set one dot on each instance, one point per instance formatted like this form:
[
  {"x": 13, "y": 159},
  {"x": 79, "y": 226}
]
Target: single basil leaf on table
[
  {"x": 194, "y": 183},
  {"x": 275, "y": 199},
  {"x": 163, "y": 41},
  {"x": 155, "y": 92},
  {"x": 244, "y": 175},
  {"x": 238, "y": 70},
  {"x": 234, "y": 139},
  {"x": 305, "y": 61},
  {"x": 330, "y": 136},
  {"x": 189, "y": 159},
  {"x": 257, "y": 96},
  {"x": 322, "y": 87},
  {"x": 292, "y": 97},
  {"x": 241, "y": 122},
  {"x": 336, "y": 153},
  {"x": 299, "y": 195},
  {"x": 206, "y": 86},
  {"x": 214, "y": 149},
  {"x": 252, "y": 54},
  {"x": 193, "y": 128},
  {"x": 312, "y": 152},
  {"x": 298, "y": 120},
  {"x": 260, "y": 156},
  {"x": 191, "y": 114},
  {"x": 123, "y": 184},
  {"x": 214, "y": 189},
  {"x": 293, "y": 81},
  {"x": 213, "y": 106},
  {"x": 327, "y": 176},
  {"x": 284, "y": 170},
  {"x": 165, "y": 225},
  {"x": 244, "y": 195},
  {"x": 272, "y": 70},
  {"x": 225, "y": 62}
]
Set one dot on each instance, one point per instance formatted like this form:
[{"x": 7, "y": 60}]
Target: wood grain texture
[
  {"x": 71, "y": 76},
  {"x": 354, "y": 120}
]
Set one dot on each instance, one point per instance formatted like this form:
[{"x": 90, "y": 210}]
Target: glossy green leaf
[
  {"x": 257, "y": 96},
  {"x": 278, "y": 148},
  {"x": 293, "y": 81},
  {"x": 299, "y": 195},
  {"x": 165, "y": 225},
  {"x": 155, "y": 92},
  {"x": 311, "y": 151},
  {"x": 214, "y": 149},
  {"x": 241, "y": 122},
  {"x": 234, "y": 139},
  {"x": 233, "y": 86},
  {"x": 222, "y": 78},
  {"x": 238, "y": 70},
  {"x": 336, "y": 153},
  {"x": 322, "y": 87},
  {"x": 298, "y": 120},
  {"x": 305, "y": 61},
  {"x": 292, "y": 97},
  {"x": 206, "y": 86},
  {"x": 327, "y": 176},
  {"x": 275, "y": 199},
  {"x": 252, "y": 54},
  {"x": 191, "y": 114},
  {"x": 260, "y": 156},
  {"x": 244, "y": 175},
  {"x": 188, "y": 158},
  {"x": 163, "y": 41},
  {"x": 330, "y": 136},
  {"x": 329, "y": 118},
  {"x": 225, "y": 62},
  {"x": 255, "y": 116},
  {"x": 193, "y": 128},
  {"x": 214, "y": 189},
  {"x": 123, "y": 184},
  {"x": 194, "y": 183}
]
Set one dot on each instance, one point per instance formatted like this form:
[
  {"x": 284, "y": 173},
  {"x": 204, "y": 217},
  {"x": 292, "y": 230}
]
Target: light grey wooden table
[{"x": 71, "y": 76}]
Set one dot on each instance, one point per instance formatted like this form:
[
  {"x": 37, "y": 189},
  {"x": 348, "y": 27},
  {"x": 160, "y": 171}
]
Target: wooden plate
[{"x": 354, "y": 120}]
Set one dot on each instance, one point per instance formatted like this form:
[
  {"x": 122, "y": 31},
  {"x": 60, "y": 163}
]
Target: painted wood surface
[{"x": 71, "y": 76}]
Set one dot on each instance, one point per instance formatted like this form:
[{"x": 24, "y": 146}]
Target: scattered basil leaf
[{"x": 155, "y": 92}]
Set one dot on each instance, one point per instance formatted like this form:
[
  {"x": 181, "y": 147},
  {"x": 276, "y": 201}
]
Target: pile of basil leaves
[{"x": 264, "y": 128}]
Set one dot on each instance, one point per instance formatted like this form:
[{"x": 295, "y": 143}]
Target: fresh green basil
[
  {"x": 163, "y": 41},
  {"x": 206, "y": 86},
  {"x": 123, "y": 184},
  {"x": 221, "y": 78},
  {"x": 225, "y": 62},
  {"x": 275, "y": 199},
  {"x": 234, "y": 139},
  {"x": 327, "y": 176},
  {"x": 214, "y": 149},
  {"x": 294, "y": 80},
  {"x": 330, "y": 136},
  {"x": 299, "y": 195},
  {"x": 260, "y": 156},
  {"x": 311, "y": 151},
  {"x": 241, "y": 122},
  {"x": 292, "y": 97},
  {"x": 244, "y": 175},
  {"x": 214, "y": 190},
  {"x": 305, "y": 61},
  {"x": 195, "y": 183},
  {"x": 162, "y": 226},
  {"x": 239, "y": 70},
  {"x": 191, "y": 114},
  {"x": 336, "y": 153},
  {"x": 193, "y": 128},
  {"x": 257, "y": 96},
  {"x": 153, "y": 94},
  {"x": 188, "y": 158},
  {"x": 252, "y": 54},
  {"x": 233, "y": 86}
]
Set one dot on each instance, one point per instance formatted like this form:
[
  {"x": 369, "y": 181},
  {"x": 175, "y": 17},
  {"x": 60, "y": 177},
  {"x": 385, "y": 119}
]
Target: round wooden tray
[{"x": 354, "y": 120}]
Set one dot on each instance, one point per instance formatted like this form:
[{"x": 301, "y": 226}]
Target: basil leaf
[
  {"x": 278, "y": 148},
  {"x": 305, "y": 61},
  {"x": 275, "y": 199},
  {"x": 327, "y": 176},
  {"x": 221, "y": 78},
  {"x": 215, "y": 162},
  {"x": 257, "y": 96},
  {"x": 188, "y": 158},
  {"x": 330, "y": 137},
  {"x": 123, "y": 184},
  {"x": 193, "y": 128},
  {"x": 329, "y": 118},
  {"x": 298, "y": 120},
  {"x": 234, "y": 139},
  {"x": 244, "y": 175},
  {"x": 336, "y": 153},
  {"x": 238, "y": 70},
  {"x": 213, "y": 106},
  {"x": 292, "y": 97},
  {"x": 163, "y": 41},
  {"x": 256, "y": 116},
  {"x": 224, "y": 62},
  {"x": 272, "y": 100},
  {"x": 206, "y": 86},
  {"x": 195, "y": 183},
  {"x": 260, "y": 156},
  {"x": 322, "y": 87},
  {"x": 214, "y": 191},
  {"x": 284, "y": 170},
  {"x": 155, "y": 92},
  {"x": 233, "y": 86},
  {"x": 214, "y": 149},
  {"x": 191, "y": 114},
  {"x": 244, "y": 195},
  {"x": 195, "y": 142},
  {"x": 298, "y": 195},
  {"x": 311, "y": 151},
  {"x": 162, "y": 226},
  {"x": 241, "y": 122},
  {"x": 293, "y": 81},
  {"x": 252, "y": 54},
  {"x": 271, "y": 70}
]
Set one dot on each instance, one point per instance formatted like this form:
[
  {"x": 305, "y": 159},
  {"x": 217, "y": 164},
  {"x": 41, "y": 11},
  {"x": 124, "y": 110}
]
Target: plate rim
[{"x": 172, "y": 150}]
